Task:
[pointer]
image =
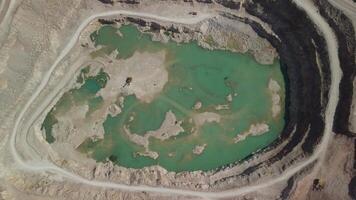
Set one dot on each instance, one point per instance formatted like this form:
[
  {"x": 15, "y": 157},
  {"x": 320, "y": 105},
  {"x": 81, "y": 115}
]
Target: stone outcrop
[
  {"x": 345, "y": 34},
  {"x": 221, "y": 33},
  {"x": 301, "y": 72}
]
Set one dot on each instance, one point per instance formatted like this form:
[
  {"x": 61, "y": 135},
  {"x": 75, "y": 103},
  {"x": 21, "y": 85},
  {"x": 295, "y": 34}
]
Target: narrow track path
[{"x": 330, "y": 110}]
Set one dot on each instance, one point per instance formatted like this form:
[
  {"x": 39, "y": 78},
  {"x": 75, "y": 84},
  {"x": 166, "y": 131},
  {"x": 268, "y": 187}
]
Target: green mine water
[
  {"x": 86, "y": 94},
  {"x": 195, "y": 74}
]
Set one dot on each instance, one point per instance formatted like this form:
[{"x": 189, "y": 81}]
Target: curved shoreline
[
  {"x": 64, "y": 52},
  {"x": 158, "y": 189}
]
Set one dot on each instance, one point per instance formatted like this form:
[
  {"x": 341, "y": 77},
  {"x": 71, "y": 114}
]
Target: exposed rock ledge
[{"x": 219, "y": 33}]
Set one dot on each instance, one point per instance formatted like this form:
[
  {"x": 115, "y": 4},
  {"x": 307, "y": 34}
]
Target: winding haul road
[
  {"x": 6, "y": 9},
  {"x": 347, "y": 6},
  {"x": 4, "y": 5},
  {"x": 319, "y": 152}
]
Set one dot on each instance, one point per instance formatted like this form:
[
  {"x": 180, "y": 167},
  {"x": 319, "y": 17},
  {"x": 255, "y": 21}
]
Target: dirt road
[{"x": 333, "y": 99}]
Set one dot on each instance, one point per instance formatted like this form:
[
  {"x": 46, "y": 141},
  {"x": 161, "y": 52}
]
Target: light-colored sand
[
  {"x": 170, "y": 127},
  {"x": 222, "y": 107},
  {"x": 199, "y": 149},
  {"x": 114, "y": 110},
  {"x": 274, "y": 89},
  {"x": 148, "y": 74},
  {"x": 42, "y": 166},
  {"x": 229, "y": 98},
  {"x": 74, "y": 126},
  {"x": 335, "y": 174},
  {"x": 206, "y": 117},
  {"x": 197, "y": 105},
  {"x": 135, "y": 138},
  {"x": 3, "y": 83},
  {"x": 254, "y": 130},
  {"x": 149, "y": 153},
  {"x": 236, "y": 37}
]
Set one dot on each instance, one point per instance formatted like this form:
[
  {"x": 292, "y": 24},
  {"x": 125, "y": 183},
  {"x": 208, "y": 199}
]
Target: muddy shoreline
[
  {"x": 305, "y": 67},
  {"x": 277, "y": 28},
  {"x": 296, "y": 46}
]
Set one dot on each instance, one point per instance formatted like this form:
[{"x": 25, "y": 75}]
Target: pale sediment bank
[
  {"x": 170, "y": 127},
  {"x": 254, "y": 130},
  {"x": 304, "y": 116},
  {"x": 148, "y": 74},
  {"x": 200, "y": 119},
  {"x": 119, "y": 75},
  {"x": 199, "y": 149},
  {"x": 274, "y": 89}
]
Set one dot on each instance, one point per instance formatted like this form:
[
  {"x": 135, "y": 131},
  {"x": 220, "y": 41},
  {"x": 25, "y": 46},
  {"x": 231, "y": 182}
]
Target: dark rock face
[
  {"x": 107, "y": 1},
  {"x": 352, "y": 188},
  {"x": 307, "y": 86},
  {"x": 153, "y": 25},
  {"x": 299, "y": 42},
  {"x": 105, "y": 21},
  {"x": 129, "y": 1},
  {"x": 137, "y": 21},
  {"x": 305, "y": 65},
  {"x": 229, "y": 4},
  {"x": 205, "y": 1},
  {"x": 287, "y": 190},
  {"x": 346, "y": 37}
]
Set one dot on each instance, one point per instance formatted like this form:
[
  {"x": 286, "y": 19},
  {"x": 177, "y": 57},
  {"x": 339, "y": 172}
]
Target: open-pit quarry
[{"x": 177, "y": 99}]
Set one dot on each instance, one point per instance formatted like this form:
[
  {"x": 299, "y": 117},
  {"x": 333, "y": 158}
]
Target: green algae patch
[{"x": 232, "y": 87}]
